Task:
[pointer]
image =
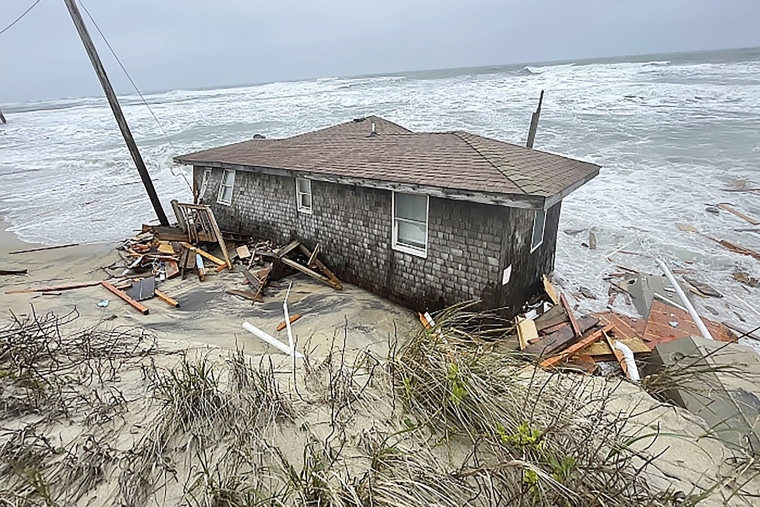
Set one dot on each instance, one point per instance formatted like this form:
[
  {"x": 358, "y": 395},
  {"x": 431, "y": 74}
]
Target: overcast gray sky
[{"x": 168, "y": 44}]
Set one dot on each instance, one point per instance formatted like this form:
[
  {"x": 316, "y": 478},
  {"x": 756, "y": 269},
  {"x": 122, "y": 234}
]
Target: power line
[
  {"x": 19, "y": 18},
  {"x": 145, "y": 102}
]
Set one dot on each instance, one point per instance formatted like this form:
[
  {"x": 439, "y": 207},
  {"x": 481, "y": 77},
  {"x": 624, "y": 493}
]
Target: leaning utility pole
[
  {"x": 113, "y": 101},
  {"x": 534, "y": 122}
]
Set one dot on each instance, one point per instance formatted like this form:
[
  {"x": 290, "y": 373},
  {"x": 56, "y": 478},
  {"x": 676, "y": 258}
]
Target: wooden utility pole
[
  {"x": 534, "y": 122},
  {"x": 113, "y": 101}
]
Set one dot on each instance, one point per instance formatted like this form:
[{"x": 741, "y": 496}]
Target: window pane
[
  {"x": 538, "y": 228},
  {"x": 305, "y": 201},
  {"x": 304, "y": 186},
  {"x": 227, "y": 194},
  {"x": 411, "y": 234},
  {"x": 229, "y": 178},
  {"x": 411, "y": 207}
]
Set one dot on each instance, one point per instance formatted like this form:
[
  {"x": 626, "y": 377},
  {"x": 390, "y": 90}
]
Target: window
[
  {"x": 225, "y": 189},
  {"x": 410, "y": 216},
  {"x": 303, "y": 195},
  {"x": 204, "y": 184},
  {"x": 539, "y": 222}
]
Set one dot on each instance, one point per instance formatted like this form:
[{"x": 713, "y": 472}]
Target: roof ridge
[{"x": 463, "y": 135}]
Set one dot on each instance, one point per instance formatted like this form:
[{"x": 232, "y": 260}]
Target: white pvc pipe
[
  {"x": 630, "y": 362},
  {"x": 694, "y": 315},
  {"x": 274, "y": 342}
]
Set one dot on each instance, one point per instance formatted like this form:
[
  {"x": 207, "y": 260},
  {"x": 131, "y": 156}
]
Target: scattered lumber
[
  {"x": 199, "y": 251},
  {"x": 55, "y": 288},
  {"x": 568, "y": 352},
  {"x": 333, "y": 280},
  {"x": 41, "y": 249},
  {"x": 702, "y": 287},
  {"x": 556, "y": 341},
  {"x": 121, "y": 295},
  {"x": 554, "y": 316}
]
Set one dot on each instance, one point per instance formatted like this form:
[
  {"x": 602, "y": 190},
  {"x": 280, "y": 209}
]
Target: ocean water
[{"x": 671, "y": 132}]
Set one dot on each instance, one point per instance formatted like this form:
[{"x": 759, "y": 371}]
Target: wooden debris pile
[
  {"x": 551, "y": 334},
  {"x": 160, "y": 253}
]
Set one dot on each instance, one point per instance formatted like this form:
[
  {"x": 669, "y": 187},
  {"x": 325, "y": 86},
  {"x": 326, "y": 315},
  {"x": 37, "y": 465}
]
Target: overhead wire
[
  {"x": 20, "y": 17},
  {"x": 137, "y": 90}
]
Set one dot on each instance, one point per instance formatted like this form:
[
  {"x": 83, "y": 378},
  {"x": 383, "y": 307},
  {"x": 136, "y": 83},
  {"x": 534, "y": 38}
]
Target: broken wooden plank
[
  {"x": 617, "y": 353},
  {"x": 121, "y": 295},
  {"x": 214, "y": 259},
  {"x": 572, "y": 349},
  {"x": 280, "y": 252},
  {"x": 550, "y": 290},
  {"x": 526, "y": 330},
  {"x": 219, "y": 236},
  {"x": 12, "y": 272},
  {"x": 739, "y": 214},
  {"x": 243, "y": 294},
  {"x": 602, "y": 350},
  {"x": 166, "y": 299},
  {"x": 313, "y": 256},
  {"x": 293, "y": 318},
  {"x": 55, "y": 288},
  {"x": 334, "y": 282},
  {"x": 40, "y": 249},
  {"x": 573, "y": 322},
  {"x": 555, "y": 315},
  {"x": 251, "y": 279},
  {"x": 165, "y": 247},
  {"x": 303, "y": 269},
  {"x": 556, "y": 341}
]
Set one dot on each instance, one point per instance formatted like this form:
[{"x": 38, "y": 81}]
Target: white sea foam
[{"x": 670, "y": 136}]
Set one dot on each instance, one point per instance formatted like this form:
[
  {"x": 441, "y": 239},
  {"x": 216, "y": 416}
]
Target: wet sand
[{"x": 207, "y": 315}]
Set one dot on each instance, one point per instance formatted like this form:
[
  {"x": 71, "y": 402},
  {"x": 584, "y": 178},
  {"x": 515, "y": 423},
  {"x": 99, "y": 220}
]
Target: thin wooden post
[
  {"x": 100, "y": 71},
  {"x": 534, "y": 122}
]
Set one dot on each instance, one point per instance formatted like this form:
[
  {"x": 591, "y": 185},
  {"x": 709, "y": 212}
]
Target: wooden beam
[
  {"x": 287, "y": 248},
  {"x": 334, "y": 281},
  {"x": 313, "y": 256},
  {"x": 215, "y": 260},
  {"x": 739, "y": 214},
  {"x": 131, "y": 302},
  {"x": 166, "y": 299},
  {"x": 570, "y": 314},
  {"x": 55, "y": 288},
  {"x": 572, "y": 349},
  {"x": 303, "y": 269}
]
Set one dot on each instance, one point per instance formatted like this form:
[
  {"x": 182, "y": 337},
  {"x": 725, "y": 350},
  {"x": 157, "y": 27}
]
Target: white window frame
[
  {"x": 542, "y": 214},
  {"x": 222, "y": 186},
  {"x": 204, "y": 183},
  {"x": 401, "y": 247},
  {"x": 299, "y": 196}
]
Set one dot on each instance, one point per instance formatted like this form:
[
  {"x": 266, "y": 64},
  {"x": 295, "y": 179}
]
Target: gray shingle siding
[{"x": 469, "y": 244}]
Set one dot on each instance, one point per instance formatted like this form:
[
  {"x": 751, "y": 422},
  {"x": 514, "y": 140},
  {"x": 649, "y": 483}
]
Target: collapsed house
[{"x": 425, "y": 219}]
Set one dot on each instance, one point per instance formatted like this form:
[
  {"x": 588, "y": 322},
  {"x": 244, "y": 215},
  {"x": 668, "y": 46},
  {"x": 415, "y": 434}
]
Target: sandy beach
[{"x": 207, "y": 315}]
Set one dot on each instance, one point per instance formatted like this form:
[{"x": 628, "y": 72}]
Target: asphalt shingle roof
[{"x": 452, "y": 160}]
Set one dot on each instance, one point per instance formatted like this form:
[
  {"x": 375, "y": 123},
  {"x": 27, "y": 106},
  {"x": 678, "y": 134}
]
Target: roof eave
[
  {"x": 554, "y": 199},
  {"x": 493, "y": 198}
]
